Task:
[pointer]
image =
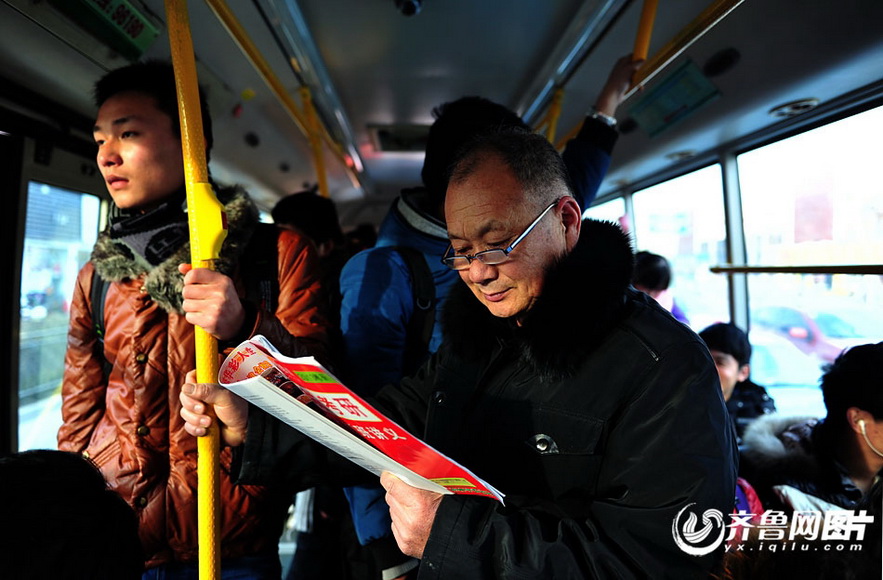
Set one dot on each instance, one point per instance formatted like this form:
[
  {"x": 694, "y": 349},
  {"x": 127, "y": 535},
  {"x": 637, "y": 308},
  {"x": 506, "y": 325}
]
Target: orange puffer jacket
[{"x": 129, "y": 424}]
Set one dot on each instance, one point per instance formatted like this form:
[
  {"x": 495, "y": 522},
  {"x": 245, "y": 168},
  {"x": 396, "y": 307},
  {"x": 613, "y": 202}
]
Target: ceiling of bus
[{"x": 370, "y": 67}]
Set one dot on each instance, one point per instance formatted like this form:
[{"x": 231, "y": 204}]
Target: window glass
[
  {"x": 611, "y": 211},
  {"x": 60, "y": 229},
  {"x": 815, "y": 199},
  {"x": 683, "y": 220}
]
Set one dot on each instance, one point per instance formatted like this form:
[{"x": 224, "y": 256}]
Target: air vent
[
  {"x": 399, "y": 138},
  {"x": 794, "y": 108},
  {"x": 681, "y": 155}
]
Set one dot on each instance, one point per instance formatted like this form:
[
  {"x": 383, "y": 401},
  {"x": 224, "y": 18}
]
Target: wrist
[{"x": 608, "y": 120}]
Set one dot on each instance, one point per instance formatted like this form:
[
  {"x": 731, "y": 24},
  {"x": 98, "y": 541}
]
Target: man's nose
[
  {"x": 481, "y": 273},
  {"x": 108, "y": 155}
]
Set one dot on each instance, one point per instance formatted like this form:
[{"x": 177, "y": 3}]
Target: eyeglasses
[{"x": 494, "y": 256}]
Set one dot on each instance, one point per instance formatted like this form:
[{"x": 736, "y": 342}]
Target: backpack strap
[
  {"x": 420, "y": 326},
  {"x": 97, "y": 298},
  {"x": 99, "y": 293}
]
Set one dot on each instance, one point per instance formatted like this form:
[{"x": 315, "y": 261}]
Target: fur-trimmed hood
[
  {"x": 114, "y": 262},
  {"x": 781, "y": 443},
  {"x": 583, "y": 297},
  {"x": 797, "y": 452}
]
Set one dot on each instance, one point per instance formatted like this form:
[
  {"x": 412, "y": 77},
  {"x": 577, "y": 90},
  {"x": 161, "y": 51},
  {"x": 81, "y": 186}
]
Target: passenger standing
[
  {"x": 653, "y": 277},
  {"x": 326, "y": 547},
  {"x": 316, "y": 217},
  {"x": 120, "y": 388},
  {"x": 596, "y": 413}
]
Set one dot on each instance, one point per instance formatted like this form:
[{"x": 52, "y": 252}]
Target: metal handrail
[
  {"x": 870, "y": 269},
  {"x": 248, "y": 47}
]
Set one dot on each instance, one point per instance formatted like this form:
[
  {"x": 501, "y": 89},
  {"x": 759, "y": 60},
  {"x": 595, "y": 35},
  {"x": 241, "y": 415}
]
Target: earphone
[{"x": 861, "y": 424}]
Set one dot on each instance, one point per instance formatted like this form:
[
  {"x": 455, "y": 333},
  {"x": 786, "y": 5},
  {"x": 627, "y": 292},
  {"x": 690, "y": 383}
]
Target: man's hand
[
  {"x": 231, "y": 410},
  {"x": 211, "y": 302},
  {"x": 617, "y": 85},
  {"x": 412, "y": 511}
]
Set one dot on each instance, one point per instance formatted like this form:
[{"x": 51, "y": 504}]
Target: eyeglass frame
[{"x": 447, "y": 260}]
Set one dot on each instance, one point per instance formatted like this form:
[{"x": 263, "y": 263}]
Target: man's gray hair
[{"x": 534, "y": 162}]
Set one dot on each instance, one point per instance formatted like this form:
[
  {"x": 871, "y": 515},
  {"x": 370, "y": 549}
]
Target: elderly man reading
[{"x": 594, "y": 411}]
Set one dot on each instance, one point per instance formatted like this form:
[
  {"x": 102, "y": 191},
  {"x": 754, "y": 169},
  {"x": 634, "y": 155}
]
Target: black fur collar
[
  {"x": 583, "y": 298},
  {"x": 115, "y": 262}
]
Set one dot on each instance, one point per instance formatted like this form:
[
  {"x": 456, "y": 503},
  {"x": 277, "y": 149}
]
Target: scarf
[{"x": 154, "y": 236}]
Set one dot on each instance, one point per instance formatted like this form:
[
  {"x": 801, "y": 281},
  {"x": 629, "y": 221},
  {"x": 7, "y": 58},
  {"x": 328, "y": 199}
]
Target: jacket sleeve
[
  {"x": 376, "y": 305},
  {"x": 670, "y": 449},
  {"x": 587, "y": 157},
  {"x": 83, "y": 385},
  {"x": 300, "y": 326}
]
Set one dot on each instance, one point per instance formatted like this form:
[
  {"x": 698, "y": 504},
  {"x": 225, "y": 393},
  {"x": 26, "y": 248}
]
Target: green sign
[
  {"x": 117, "y": 23},
  {"x": 314, "y": 377}
]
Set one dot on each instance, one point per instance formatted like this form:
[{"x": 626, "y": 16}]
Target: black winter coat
[{"x": 601, "y": 418}]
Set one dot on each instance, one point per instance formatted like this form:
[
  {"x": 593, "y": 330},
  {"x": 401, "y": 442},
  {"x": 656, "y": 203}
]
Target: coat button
[
  {"x": 143, "y": 430},
  {"x": 142, "y": 501},
  {"x": 544, "y": 444},
  {"x": 86, "y": 454},
  {"x": 141, "y": 358},
  {"x": 439, "y": 397}
]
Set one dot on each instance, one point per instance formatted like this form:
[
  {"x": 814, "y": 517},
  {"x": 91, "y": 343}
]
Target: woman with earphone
[{"x": 801, "y": 463}]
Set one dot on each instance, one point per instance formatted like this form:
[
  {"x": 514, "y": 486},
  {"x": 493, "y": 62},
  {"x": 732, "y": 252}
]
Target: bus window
[
  {"x": 683, "y": 220},
  {"x": 60, "y": 229},
  {"x": 782, "y": 369},
  {"x": 815, "y": 199},
  {"x": 610, "y": 211}
]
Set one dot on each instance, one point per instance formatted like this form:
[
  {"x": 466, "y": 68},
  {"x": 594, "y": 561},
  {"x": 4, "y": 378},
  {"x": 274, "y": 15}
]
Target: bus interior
[{"x": 748, "y": 157}]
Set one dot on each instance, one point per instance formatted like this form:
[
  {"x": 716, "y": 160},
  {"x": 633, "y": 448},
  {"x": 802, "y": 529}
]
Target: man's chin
[{"x": 502, "y": 309}]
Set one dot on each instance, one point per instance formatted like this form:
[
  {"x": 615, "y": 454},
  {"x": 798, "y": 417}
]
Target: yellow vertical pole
[
  {"x": 554, "y": 113},
  {"x": 315, "y": 136},
  {"x": 207, "y": 223}
]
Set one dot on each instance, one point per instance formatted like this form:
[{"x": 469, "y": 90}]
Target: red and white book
[{"x": 305, "y": 395}]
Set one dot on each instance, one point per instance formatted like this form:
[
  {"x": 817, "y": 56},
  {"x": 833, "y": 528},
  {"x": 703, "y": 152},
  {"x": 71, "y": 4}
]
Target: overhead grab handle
[{"x": 706, "y": 20}]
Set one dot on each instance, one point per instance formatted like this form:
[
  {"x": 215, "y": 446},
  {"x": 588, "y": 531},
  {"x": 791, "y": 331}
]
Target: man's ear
[
  {"x": 744, "y": 371},
  {"x": 571, "y": 217},
  {"x": 855, "y": 417}
]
